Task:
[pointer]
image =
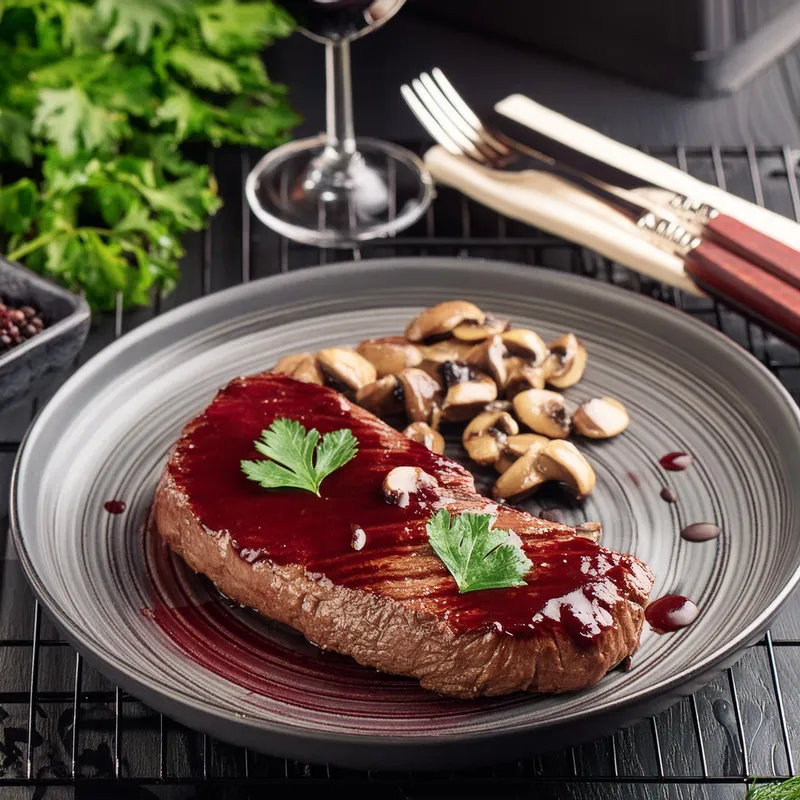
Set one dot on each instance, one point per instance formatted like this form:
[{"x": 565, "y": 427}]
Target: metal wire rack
[{"x": 68, "y": 732}]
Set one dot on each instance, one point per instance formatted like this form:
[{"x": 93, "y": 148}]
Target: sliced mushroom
[
  {"x": 562, "y": 461},
  {"x": 467, "y": 397},
  {"x": 516, "y": 446},
  {"x": 390, "y": 354},
  {"x": 527, "y": 344},
  {"x": 441, "y": 319},
  {"x": 521, "y": 377},
  {"x": 485, "y": 436},
  {"x": 490, "y": 356},
  {"x": 590, "y": 530},
  {"x": 344, "y": 367},
  {"x": 421, "y": 394},
  {"x": 476, "y": 332},
  {"x": 401, "y": 482},
  {"x": 424, "y": 434},
  {"x": 301, "y": 367},
  {"x": 543, "y": 412},
  {"x": 383, "y": 397},
  {"x": 567, "y": 360},
  {"x": 434, "y": 355},
  {"x": 556, "y": 461},
  {"x": 600, "y": 418}
]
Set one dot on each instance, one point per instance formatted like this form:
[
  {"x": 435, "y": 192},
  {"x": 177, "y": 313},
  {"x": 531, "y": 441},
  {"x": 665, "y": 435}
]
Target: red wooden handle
[
  {"x": 774, "y": 256},
  {"x": 746, "y": 287}
]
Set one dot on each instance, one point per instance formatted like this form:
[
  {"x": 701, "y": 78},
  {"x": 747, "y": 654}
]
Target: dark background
[{"x": 487, "y": 68}]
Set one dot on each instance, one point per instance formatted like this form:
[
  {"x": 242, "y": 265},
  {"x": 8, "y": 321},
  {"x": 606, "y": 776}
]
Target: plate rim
[{"x": 194, "y": 705}]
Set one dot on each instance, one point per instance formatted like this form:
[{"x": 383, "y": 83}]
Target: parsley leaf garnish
[
  {"x": 477, "y": 555},
  {"x": 292, "y": 461}
]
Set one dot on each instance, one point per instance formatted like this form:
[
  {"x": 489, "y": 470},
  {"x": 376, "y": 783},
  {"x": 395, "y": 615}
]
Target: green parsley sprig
[
  {"x": 294, "y": 461},
  {"x": 477, "y": 555},
  {"x": 96, "y": 101},
  {"x": 788, "y": 790}
]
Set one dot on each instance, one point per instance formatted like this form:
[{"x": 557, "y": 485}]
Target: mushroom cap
[
  {"x": 543, "y": 412},
  {"x": 600, "y": 418},
  {"x": 489, "y": 421},
  {"x": 527, "y": 344},
  {"x": 441, "y": 319},
  {"x": 516, "y": 446},
  {"x": 490, "y": 356},
  {"x": 484, "y": 437},
  {"x": 522, "y": 376},
  {"x": 346, "y": 366},
  {"x": 382, "y": 397},
  {"x": 567, "y": 361},
  {"x": 555, "y": 461},
  {"x": 401, "y": 482},
  {"x": 476, "y": 332},
  {"x": 466, "y": 398},
  {"x": 562, "y": 461},
  {"x": 390, "y": 354},
  {"x": 422, "y": 394},
  {"x": 519, "y": 479},
  {"x": 302, "y": 367},
  {"x": 424, "y": 434}
]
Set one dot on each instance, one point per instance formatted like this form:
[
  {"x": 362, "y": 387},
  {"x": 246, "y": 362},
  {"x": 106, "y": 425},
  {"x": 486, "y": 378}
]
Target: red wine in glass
[{"x": 334, "y": 19}]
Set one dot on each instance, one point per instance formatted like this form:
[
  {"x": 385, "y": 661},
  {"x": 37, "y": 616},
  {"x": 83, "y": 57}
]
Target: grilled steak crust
[{"x": 391, "y": 605}]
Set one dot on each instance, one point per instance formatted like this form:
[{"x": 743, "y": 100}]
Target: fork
[
  {"x": 454, "y": 125},
  {"x": 444, "y": 113}
]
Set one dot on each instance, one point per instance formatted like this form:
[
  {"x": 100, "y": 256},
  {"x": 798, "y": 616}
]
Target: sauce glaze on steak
[{"x": 391, "y": 604}]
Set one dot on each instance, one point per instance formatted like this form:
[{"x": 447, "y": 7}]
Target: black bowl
[{"x": 66, "y": 317}]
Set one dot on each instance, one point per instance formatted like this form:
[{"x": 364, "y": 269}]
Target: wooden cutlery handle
[
  {"x": 770, "y": 254},
  {"x": 747, "y": 287}
]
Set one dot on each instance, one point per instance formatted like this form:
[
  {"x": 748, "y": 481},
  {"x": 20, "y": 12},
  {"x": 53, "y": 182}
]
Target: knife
[{"x": 740, "y": 239}]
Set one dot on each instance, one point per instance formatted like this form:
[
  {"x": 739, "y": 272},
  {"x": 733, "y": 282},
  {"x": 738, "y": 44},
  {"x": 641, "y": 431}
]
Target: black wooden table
[{"x": 68, "y": 732}]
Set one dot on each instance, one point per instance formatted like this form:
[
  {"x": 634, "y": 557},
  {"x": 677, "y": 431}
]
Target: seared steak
[{"x": 357, "y": 575}]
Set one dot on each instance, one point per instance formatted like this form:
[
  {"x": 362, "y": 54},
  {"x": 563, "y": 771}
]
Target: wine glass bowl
[
  {"x": 336, "y": 190},
  {"x": 325, "y": 20}
]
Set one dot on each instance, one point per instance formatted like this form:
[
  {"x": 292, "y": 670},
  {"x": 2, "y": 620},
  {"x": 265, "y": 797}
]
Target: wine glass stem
[{"x": 339, "y": 104}]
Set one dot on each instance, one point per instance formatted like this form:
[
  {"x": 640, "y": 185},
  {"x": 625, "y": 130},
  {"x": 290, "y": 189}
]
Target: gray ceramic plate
[{"x": 162, "y": 633}]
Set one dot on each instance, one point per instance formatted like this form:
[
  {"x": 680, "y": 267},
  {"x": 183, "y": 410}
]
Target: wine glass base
[{"x": 313, "y": 194}]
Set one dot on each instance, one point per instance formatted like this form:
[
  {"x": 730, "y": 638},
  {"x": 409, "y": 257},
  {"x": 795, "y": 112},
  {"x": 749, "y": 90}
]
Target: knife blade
[{"x": 728, "y": 232}]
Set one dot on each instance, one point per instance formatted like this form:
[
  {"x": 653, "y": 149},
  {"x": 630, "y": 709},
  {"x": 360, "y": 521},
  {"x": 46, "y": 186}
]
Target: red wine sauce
[
  {"x": 671, "y": 613},
  {"x": 115, "y": 506}
]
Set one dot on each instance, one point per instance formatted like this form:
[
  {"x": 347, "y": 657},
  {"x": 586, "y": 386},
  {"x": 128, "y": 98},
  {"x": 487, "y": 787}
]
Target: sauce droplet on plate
[
  {"x": 115, "y": 506},
  {"x": 671, "y": 613},
  {"x": 701, "y": 532},
  {"x": 669, "y": 494},
  {"x": 634, "y": 479},
  {"x": 675, "y": 462}
]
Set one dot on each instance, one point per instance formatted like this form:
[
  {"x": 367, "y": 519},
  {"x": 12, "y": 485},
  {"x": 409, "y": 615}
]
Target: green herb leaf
[
  {"x": 69, "y": 119},
  {"x": 204, "y": 71},
  {"x": 136, "y": 21},
  {"x": 477, "y": 555},
  {"x": 293, "y": 462},
  {"x": 228, "y": 27},
  {"x": 15, "y": 142},
  {"x": 788, "y": 790}
]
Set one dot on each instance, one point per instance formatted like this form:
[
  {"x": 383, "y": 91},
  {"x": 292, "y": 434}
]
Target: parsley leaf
[
  {"x": 228, "y": 28},
  {"x": 69, "y": 119},
  {"x": 477, "y": 555},
  {"x": 788, "y": 790},
  {"x": 204, "y": 71},
  {"x": 292, "y": 462},
  {"x": 137, "y": 20}
]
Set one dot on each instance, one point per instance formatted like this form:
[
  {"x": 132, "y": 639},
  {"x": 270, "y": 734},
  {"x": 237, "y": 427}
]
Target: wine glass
[{"x": 335, "y": 190}]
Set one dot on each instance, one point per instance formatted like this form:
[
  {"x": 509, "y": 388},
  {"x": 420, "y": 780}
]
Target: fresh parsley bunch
[{"x": 96, "y": 100}]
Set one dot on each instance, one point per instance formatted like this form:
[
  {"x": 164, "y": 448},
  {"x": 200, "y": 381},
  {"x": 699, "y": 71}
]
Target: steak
[{"x": 357, "y": 575}]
